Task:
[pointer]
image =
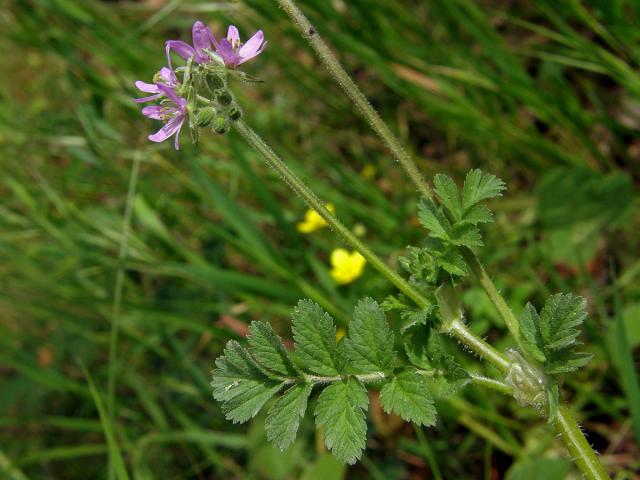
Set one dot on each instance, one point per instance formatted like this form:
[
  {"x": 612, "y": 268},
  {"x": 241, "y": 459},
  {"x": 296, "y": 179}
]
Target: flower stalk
[{"x": 577, "y": 444}]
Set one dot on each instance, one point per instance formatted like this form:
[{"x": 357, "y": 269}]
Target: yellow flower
[
  {"x": 313, "y": 221},
  {"x": 345, "y": 266}
]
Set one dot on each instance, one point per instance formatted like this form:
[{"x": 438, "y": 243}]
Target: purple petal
[
  {"x": 233, "y": 36},
  {"x": 171, "y": 127},
  {"x": 253, "y": 45},
  {"x": 201, "y": 39},
  {"x": 169, "y": 76},
  {"x": 176, "y": 143},
  {"x": 170, "y": 93},
  {"x": 181, "y": 48},
  {"x": 158, "y": 112},
  {"x": 146, "y": 87},
  {"x": 225, "y": 50},
  {"x": 147, "y": 99},
  {"x": 253, "y": 55}
]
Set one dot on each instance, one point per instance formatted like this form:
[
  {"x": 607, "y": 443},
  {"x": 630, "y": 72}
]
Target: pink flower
[
  {"x": 165, "y": 76},
  {"x": 234, "y": 52},
  {"x": 202, "y": 38},
  {"x": 173, "y": 114}
]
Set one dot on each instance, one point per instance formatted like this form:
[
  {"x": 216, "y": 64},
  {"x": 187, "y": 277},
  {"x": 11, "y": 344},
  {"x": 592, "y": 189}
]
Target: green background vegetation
[{"x": 545, "y": 94}]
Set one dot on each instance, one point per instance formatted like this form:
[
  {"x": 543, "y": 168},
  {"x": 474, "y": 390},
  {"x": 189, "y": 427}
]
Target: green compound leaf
[
  {"x": 551, "y": 336},
  {"x": 452, "y": 262},
  {"x": 465, "y": 213},
  {"x": 267, "y": 349},
  {"x": 369, "y": 347},
  {"x": 407, "y": 395},
  {"x": 480, "y": 186},
  {"x": 240, "y": 385},
  {"x": 284, "y": 416},
  {"x": 466, "y": 235},
  {"x": 314, "y": 334},
  {"x": 433, "y": 219},
  {"x": 566, "y": 361},
  {"x": 560, "y": 317},
  {"x": 531, "y": 336},
  {"x": 341, "y": 414},
  {"x": 447, "y": 191},
  {"x": 477, "y": 214}
]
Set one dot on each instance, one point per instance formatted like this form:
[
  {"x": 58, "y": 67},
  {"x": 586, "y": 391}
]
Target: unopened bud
[
  {"x": 215, "y": 81},
  {"x": 224, "y": 97},
  {"x": 221, "y": 125},
  {"x": 205, "y": 116},
  {"x": 235, "y": 113}
]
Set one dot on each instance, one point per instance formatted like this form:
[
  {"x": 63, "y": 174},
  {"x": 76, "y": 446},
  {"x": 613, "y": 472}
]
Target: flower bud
[
  {"x": 221, "y": 125},
  {"x": 234, "y": 113},
  {"x": 224, "y": 97},
  {"x": 205, "y": 116},
  {"x": 215, "y": 81}
]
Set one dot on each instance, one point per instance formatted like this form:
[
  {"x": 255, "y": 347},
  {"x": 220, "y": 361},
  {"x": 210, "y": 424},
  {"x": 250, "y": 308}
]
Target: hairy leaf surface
[
  {"x": 314, "y": 334},
  {"x": 369, "y": 347},
  {"x": 267, "y": 348},
  {"x": 341, "y": 413},
  {"x": 407, "y": 395},
  {"x": 480, "y": 186},
  {"x": 284, "y": 416},
  {"x": 551, "y": 336},
  {"x": 447, "y": 191}
]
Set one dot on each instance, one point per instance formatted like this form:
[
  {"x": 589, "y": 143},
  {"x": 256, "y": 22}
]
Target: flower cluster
[{"x": 200, "y": 95}]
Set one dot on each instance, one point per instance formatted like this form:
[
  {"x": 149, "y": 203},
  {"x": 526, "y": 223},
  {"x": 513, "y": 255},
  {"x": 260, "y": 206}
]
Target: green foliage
[
  {"x": 315, "y": 336},
  {"x": 369, "y": 347},
  {"x": 478, "y": 187},
  {"x": 407, "y": 395},
  {"x": 453, "y": 224},
  {"x": 340, "y": 412},
  {"x": 245, "y": 379},
  {"x": 268, "y": 349},
  {"x": 284, "y": 416},
  {"x": 455, "y": 221},
  {"x": 550, "y": 337},
  {"x": 424, "y": 348},
  {"x": 241, "y": 384}
]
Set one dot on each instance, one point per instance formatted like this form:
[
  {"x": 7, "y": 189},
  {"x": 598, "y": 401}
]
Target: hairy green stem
[
  {"x": 578, "y": 446},
  {"x": 364, "y": 378},
  {"x": 344, "y": 80},
  {"x": 491, "y": 383},
  {"x": 494, "y": 295},
  {"x": 375, "y": 377},
  {"x": 460, "y": 331}
]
